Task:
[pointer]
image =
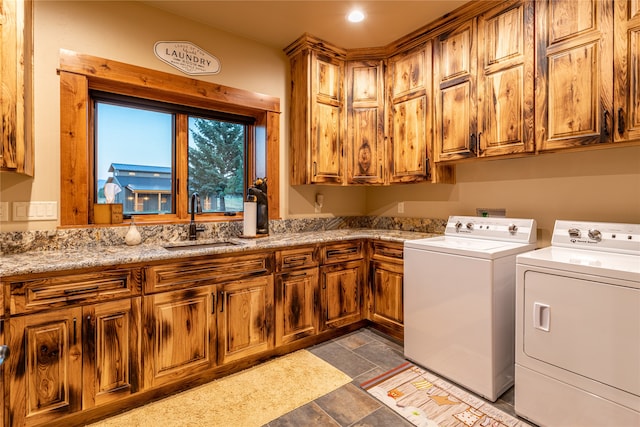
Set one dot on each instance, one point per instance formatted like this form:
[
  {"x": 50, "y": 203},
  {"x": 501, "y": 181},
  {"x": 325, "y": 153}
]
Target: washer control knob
[
  {"x": 458, "y": 226},
  {"x": 574, "y": 232},
  {"x": 595, "y": 234},
  {"x": 469, "y": 226},
  {"x": 513, "y": 228}
]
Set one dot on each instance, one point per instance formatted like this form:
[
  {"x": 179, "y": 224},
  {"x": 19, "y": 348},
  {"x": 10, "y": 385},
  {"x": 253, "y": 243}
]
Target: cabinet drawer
[
  {"x": 181, "y": 275},
  {"x": 32, "y": 295},
  {"x": 387, "y": 251},
  {"x": 339, "y": 252},
  {"x": 290, "y": 259}
]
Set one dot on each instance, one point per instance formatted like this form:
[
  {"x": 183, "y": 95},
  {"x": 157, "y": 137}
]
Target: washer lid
[
  {"x": 464, "y": 246},
  {"x": 597, "y": 263}
]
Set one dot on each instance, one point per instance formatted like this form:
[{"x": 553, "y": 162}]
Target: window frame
[
  {"x": 80, "y": 74},
  {"x": 176, "y": 111}
]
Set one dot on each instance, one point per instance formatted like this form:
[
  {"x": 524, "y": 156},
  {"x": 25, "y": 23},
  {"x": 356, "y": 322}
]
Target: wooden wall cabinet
[
  {"x": 297, "y": 294},
  {"x": 505, "y": 80},
  {"x": 317, "y": 116},
  {"x": 384, "y": 302},
  {"x": 626, "y": 95},
  {"x": 361, "y": 121},
  {"x": 455, "y": 77},
  {"x": 16, "y": 86},
  {"x": 410, "y": 115},
  {"x": 574, "y": 73},
  {"x": 484, "y": 76},
  {"x": 342, "y": 279},
  {"x": 365, "y": 122}
]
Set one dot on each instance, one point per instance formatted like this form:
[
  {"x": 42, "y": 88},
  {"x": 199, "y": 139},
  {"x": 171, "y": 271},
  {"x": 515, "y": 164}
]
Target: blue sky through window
[{"x": 132, "y": 136}]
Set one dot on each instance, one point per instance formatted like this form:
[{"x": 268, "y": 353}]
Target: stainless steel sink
[{"x": 183, "y": 246}]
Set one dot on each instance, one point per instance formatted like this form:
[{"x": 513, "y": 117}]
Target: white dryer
[
  {"x": 578, "y": 327},
  {"x": 459, "y": 296}
]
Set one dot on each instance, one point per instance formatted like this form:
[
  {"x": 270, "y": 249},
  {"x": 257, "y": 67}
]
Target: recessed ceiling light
[{"x": 355, "y": 16}]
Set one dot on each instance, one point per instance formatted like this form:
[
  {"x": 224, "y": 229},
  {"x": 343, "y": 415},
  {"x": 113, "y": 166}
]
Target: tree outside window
[{"x": 216, "y": 164}]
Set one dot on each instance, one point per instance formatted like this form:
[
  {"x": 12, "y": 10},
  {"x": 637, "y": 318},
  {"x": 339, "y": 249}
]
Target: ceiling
[{"x": 279, "y": 23}]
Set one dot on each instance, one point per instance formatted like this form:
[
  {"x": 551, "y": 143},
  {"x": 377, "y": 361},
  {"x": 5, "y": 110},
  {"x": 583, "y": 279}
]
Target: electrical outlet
[
  {"x": 4, "y": 211},
  {"x": 400, "y": 207}
]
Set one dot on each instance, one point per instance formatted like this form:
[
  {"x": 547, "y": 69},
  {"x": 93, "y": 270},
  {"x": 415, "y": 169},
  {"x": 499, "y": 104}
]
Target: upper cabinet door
[
  {"x": 455, "y": 75},
  {"x": 626, "y": 112},
  {"x": 365, "y": 122},
  {"x": 410, "y": 110},
  {"x": 16, "y": 86},
  {"x": 574, "y": 73},
  {"x": 505, "y": 83},
  {"x": 326, "y": 119}
]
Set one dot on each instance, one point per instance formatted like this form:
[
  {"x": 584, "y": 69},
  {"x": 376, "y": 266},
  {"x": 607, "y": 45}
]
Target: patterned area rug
[
  {"x": 426, "y": 400},
  {"x": 252, "y": 397}
]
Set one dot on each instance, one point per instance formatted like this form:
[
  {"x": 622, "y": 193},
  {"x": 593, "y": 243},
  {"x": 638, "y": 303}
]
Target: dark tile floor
[{"x": 362, "y": 355}]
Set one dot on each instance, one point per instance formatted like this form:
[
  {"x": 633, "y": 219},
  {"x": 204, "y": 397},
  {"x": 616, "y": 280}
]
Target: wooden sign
[{"x": 187, "y": 57}]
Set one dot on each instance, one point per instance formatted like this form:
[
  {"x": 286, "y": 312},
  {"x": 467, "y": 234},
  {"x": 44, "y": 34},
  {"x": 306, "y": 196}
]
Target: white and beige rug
[
  {"x": 252, "y": 397},
  {"x": 426, "y": 400}
]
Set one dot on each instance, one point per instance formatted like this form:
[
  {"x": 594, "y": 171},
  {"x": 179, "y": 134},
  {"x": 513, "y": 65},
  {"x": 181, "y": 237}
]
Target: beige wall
[{"x": 596, "y": 185}]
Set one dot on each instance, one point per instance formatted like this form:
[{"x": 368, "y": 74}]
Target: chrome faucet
[{"x": 196, "y": 207}]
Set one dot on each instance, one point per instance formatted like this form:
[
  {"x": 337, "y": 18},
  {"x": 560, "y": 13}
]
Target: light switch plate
[
  {"x": 35, "y": 211},
  {"x": 4, "y": 211}
]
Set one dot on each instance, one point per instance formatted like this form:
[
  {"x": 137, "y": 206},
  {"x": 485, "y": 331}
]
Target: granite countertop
[{"x": 104, "y": 255}]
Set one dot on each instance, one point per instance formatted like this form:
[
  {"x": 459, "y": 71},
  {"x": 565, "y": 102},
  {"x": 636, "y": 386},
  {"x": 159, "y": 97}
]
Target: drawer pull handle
[
  {"x": 296, "y": 260},
  {"x": 80, "y": 291},
  {"x": 260, "y": 271},
  {"x": 339, "y": 252},
  {"x": 390, "y": 254},
  {"x": 294, "y": 275},
  {"x": 222, "y": 297}
]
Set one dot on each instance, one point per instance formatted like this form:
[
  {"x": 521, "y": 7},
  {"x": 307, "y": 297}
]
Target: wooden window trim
[{"x": 80, "y": 73}]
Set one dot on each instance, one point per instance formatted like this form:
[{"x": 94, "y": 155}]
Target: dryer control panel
[{"x": 602, "y": 236}]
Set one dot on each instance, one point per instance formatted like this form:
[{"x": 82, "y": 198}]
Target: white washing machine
[
  {"x": 459, "y": 293},
  {"x": 578, "y": 327}
]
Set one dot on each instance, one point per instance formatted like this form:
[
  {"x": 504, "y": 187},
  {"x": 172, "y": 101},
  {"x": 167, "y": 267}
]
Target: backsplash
[{"x": 42, "y": 240}]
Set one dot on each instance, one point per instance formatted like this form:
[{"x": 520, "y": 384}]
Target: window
[
  {"x": 135, "y": 152},
  {"x": 172, "y": 123}
]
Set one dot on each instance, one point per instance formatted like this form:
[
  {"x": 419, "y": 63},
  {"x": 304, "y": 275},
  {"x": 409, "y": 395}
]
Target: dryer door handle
[{"x": 541, "y": 316}]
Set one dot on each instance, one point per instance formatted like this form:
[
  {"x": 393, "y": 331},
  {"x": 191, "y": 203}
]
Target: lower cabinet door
[
  {"x": 341, "y": 290},
  {"x": 181, "y": 335},
  {"x": 245, "y": 318},
  {"x": 385, "y": 305},
  {"x": 45, "y": 366},
  {"x": 111, "y": 368},
  {"x": 297, "y": 305}
]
